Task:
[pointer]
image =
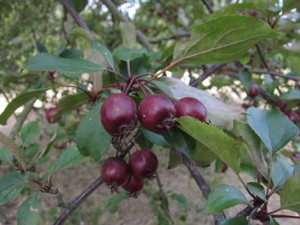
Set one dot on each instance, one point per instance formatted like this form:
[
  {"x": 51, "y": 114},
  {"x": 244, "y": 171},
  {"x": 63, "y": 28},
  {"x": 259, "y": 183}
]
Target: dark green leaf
[
  {"x": 91, "y": 138},
  {"x": 72, "y": 102},
  {"x": 104, "y": 51},
  {"x": 155, "y": 138},
  {"x": 215, "y": 139},
  {"x": 238, "y": 220},
  {"x": 30, "y": 131},
  {"x": 11, "y": 185},
  {"x": 29, "y": 212},
  {"x": 48, "y": 62},
  {"x": 71, "y": 53},
  {"x": 18, "y": 101},
  {"x": 289, "y": 195},
  {"x": 79, "y": 5},
  {"x": 281, "y": 170},
  {"x": 127, "y": 54},
  {"x": 163, "y": 86},
  {"x": 69, "y": 157},
  {"x": 224, "y": 39},
  {"x": 257, "y": 190},
  {"x": 202, "y": 155},
  {"x": 6, "y": 156},
  {"x": 273, "y": 128},
  {"x": 223, "y": 197}
]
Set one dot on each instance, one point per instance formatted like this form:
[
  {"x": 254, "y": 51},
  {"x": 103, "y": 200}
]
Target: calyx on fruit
[
  {"x": 118, "y": 115},
  {"x": 189, "y": 106},
  {"x": 143, "y": 163},
  {"x": 115, "y": 172},
  {"x": 52, "y": 115},
  {"x": 156, "y": 113}
]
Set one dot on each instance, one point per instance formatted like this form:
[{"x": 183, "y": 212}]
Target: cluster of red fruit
[
  {"x": 116, "y": 172},
  {"x": 156, "y": 113}
]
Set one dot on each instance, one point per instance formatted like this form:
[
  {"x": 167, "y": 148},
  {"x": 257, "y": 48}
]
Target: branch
[
  {"x": 207, "y": 73},
  {"x": 262, "y": 57},
  {"x": 201, "y": 182},
  {"x": 140, "y": 36},
  {"x": 275, "y": 74},
  {"x": 77, "y": 201},
  {"x": 208, "y": 6},
  {"x": 78, "y": 20}
]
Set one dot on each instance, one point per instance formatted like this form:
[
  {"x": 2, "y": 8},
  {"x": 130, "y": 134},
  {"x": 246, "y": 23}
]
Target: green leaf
[
  {"x": 291, "y": 95},
  {"x": 182, "y": 201},
  {"x": 237, "y": 220},
  {"x": 223, "y": 197},
  {"x": 273, "y": 128},
  {"x": 69, "y": 157},
  {"x": 48, "y": 62},
  {"x": 257, "y": 190},
  {"x": 72, "y": 102},
  {"x": 291, "y": 4},
  {"x": 155, "y": 138},
  {"x": 289, "y": 195},
  {"x": 281, "y": 170},
  {"x": 161, "y": 85},
  {"x": 224, "y": 39},
  {"x": 273, "y": 221},
  {"x": 104, "y": 51},
  {"x": 29, "y": 212},
  {"x": 79, "y": 5},
  {"x": 202, "y": 155},
  {"x": 91, "y": 138},
  {"x": 215, "y": 139},
  {"x": 11, "y": 185},
  {"x": 18, "y": 101},
  {"x": 253, "y": 147},
  {"x": 47, "y": 148},
  {"x": 13, "y": 148},
  {"x": 113, "y": 203},
  {"x": 127, "y": 54},
  {"x": 6, "y": 156},
  {"x": 30, "y": 131}
]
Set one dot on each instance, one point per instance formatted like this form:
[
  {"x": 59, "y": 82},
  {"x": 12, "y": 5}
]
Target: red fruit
[
  {"x": 254, "y": 91},
  {"x": 143, "y": 163},
  {"x": 191, "y": 107},
  {"x": 160, "y": 13},
  {"x": 134, "y": 184},
  {"x": 281, "y": 105},
  {"x": 115, "y": 172},
  {"x": 118, "y": 115},
  {"x": 156, "y": 113},
  {"x": 151, "y": 10},
  {"x": 52, "y": 115},
  {"x": 145, "y": 29},
  {"x": 294, "y": 117}
]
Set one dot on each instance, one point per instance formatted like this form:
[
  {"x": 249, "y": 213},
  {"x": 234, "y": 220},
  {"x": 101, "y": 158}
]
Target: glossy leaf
[
  {"x": 273, "y": 128},
  {"x": 281, "y": 170},
  {"x": 224, "y": 39},
  {"x": 91, "y": 138},
  {"x": 29, "y": 212},
  {"x": 155, "y": 138},
  {"x": 48, "y": 62},
  {"x": 11, "y": 185},
  {"x": 257, "y": 190},
  {"x": 289, "y": 195},
  {"x": 215, "y": 139},
  {"x": 18, "y": 101},
  {"x": 223, "y": 197},
  {"x": 238, "y": 220},
  {"x": 104, "y": 51},
  {"x": 30, "y": 131},
  {"x": 69, "y": 157},
  {"x": 127, "y": 54}
]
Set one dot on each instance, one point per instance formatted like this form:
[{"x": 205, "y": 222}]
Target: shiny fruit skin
[
  {"x": 143, "y": 163},
  {"x": 51, "y": 115},
  {"x": 191, "y": 107},
  {"x": 254, "y": 91},
  {"x": 156, "y": 113},
  {"x": 115, "y": 172},
  {"x": 118, "y": 115},
  {"x": 134, "y": 184}
]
